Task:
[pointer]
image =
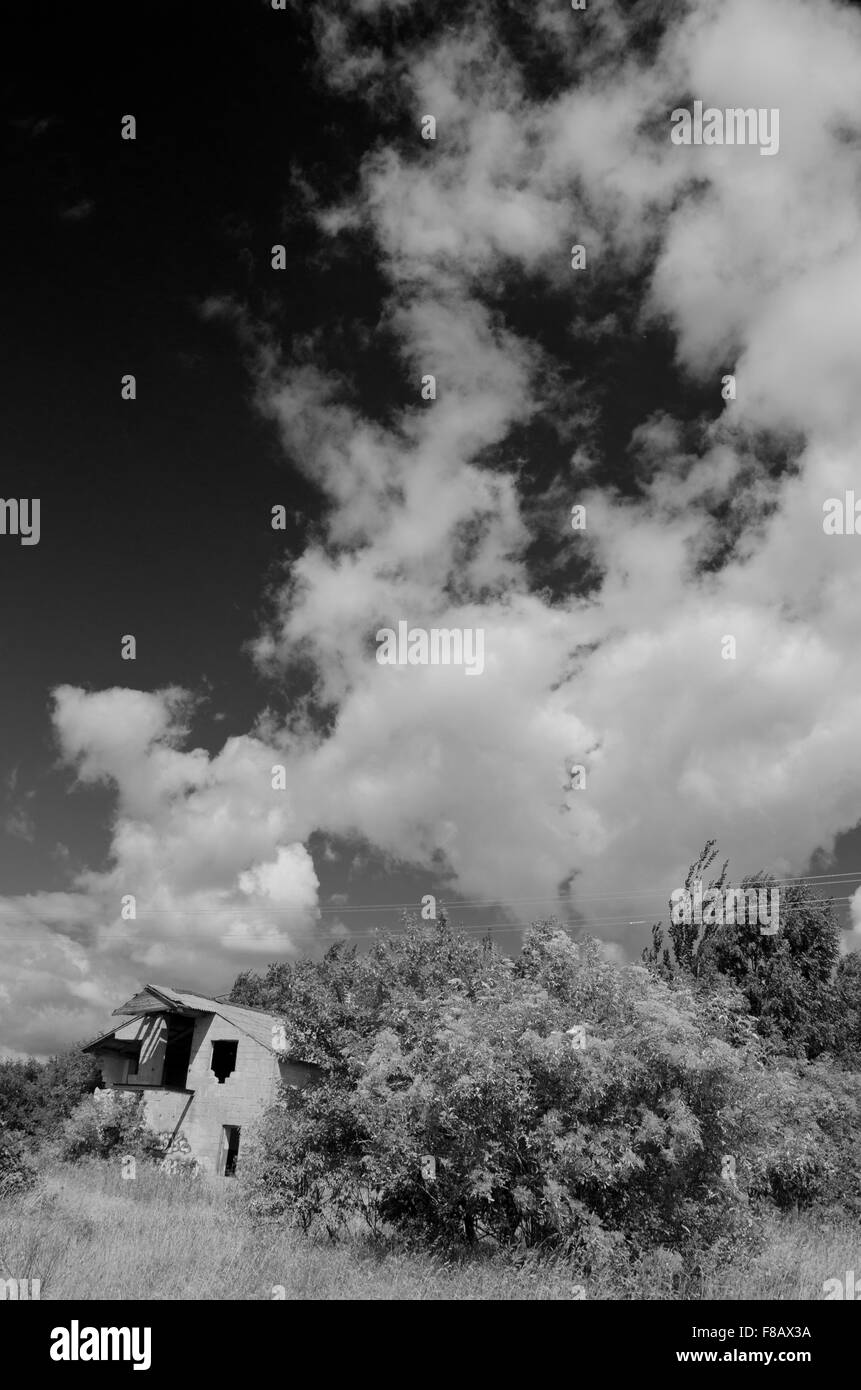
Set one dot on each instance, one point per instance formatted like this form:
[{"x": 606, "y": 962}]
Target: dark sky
[{"x": 151, "y": 510}]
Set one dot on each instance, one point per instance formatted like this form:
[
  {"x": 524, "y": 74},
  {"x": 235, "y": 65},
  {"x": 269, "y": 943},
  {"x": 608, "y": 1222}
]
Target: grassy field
[{"x": 88, "y": 1234}]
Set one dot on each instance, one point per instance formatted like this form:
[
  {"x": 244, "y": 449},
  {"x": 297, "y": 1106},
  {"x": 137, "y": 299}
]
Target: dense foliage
[
  {"x": 435, "y": 1047},
  {"x": 806, "y": 1001},
  {"x": 16, "y": 1172},
  {"x": 109, "y": 1125},
  {"x": 36, "y": 1097}
]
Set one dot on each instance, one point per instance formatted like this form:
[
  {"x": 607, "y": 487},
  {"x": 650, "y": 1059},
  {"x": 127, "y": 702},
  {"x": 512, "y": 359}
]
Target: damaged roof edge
[{"x": 154, "y": 999}]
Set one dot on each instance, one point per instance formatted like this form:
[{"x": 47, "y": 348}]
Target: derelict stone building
[{"x": 205, "y": 1069}]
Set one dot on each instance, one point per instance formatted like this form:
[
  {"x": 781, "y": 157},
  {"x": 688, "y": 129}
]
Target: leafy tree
[
  {"x": 66, "y": 1079},
  {"x": 435, "y": 1047},
  {"x": 787, "y": 979},
  {"x": 847, "y": 986},
  {"x": 331, "y": 1006},
  {"x": 16, "y": 1172},
  {"x": 36, "y": 1097},
  {"x": 686, "y": 938},
  {"x": 19, "y": 1094}
]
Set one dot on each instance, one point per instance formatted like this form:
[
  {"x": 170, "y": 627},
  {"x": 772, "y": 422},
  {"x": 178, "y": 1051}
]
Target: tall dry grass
[{"x": 89, "y": 1234}]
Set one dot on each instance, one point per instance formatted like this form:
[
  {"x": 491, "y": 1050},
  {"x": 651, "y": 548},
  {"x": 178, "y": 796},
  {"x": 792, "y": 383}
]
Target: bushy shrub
[
  {"x": 439, "y": 1048},
  {"x": 809, "y": 1154},
  {"x": 106, "y": 1124},
  {"x": 17, "y": 1172},
  {"x": 36, "y": 1097}
]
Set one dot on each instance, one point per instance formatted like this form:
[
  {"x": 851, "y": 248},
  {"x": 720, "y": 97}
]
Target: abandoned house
[{"x": 205, "y": 1069}]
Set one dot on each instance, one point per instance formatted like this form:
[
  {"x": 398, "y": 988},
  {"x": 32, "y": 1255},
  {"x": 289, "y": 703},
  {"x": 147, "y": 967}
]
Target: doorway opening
[
  {"x": 177, "y": 1052},
  {"x": 229, "y": 1150}
]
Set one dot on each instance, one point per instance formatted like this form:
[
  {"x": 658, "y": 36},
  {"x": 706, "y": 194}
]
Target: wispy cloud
[{"x": 78, "y": 212}]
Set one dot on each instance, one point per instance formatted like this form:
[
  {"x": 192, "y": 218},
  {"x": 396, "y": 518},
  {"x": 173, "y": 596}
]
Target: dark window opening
[
  {"x": 230, "y": 1150},
  {"x": 177, "y": 1052},
  {"x": 223, "y": 1060}
]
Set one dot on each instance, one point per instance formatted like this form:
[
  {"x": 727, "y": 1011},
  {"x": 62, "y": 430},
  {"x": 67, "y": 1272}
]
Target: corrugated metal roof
[{"x": 254, "y": 1023}]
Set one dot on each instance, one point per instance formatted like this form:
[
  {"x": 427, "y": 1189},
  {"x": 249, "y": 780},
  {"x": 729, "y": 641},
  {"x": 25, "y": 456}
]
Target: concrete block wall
[
  {"x": 239, "y": 1100},
  {"x": 163, "y": 1108}
]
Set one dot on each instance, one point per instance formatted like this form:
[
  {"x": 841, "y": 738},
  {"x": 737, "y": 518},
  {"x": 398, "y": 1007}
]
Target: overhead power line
[
  {"x": 643, "y": 893},
  {"x": 595, "y": 924}
]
